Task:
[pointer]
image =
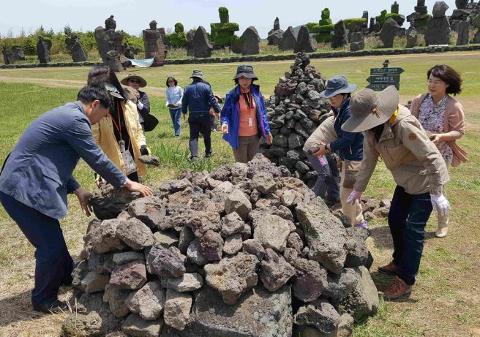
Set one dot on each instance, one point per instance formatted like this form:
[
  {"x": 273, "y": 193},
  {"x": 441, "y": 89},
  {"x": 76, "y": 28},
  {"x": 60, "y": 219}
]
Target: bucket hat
[
  {"x": 138, "y": 78},
  {"x": 245, "y": 71},
  {"x": 197, "y": 74},
  {"x": 370, "y": 108},
  {"x": 337, "y": 85}
]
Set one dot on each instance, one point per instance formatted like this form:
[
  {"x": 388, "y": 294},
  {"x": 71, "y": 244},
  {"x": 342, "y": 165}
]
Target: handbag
[{"x": 149, "y": 122}]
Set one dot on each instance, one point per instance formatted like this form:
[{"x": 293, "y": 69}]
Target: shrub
[
  {"x": 355, "y": 24},
  {"x": 325, "y": 17},
  {"x": 179, "y": 28},
  {"x": 176, "y": 40},
  {"x": 312, "y": 27},
  {"x": 223, "y": 13},
  {"x": 223, "y": 34}
]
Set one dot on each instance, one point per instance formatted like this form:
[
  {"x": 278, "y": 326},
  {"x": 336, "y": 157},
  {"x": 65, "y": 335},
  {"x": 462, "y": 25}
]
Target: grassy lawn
[{"x": 446, "y": 298}]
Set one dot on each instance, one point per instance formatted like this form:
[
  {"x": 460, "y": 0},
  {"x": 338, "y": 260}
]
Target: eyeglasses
[{"x": 134, "y": 81}]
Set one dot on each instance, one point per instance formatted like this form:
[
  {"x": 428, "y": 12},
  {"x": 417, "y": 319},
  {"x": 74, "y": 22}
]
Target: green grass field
[{"x": 446, "y": 298}]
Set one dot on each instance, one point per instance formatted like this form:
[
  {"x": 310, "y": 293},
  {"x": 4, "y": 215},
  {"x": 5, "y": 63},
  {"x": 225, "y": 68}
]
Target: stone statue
[
  {"x": 276, "y": 24},
  {"x": 43, "y": 49},
  {"x": 110, "y": 23},
  {"x": 73, "y": 44},
  {"x": 153, "y": 41}
]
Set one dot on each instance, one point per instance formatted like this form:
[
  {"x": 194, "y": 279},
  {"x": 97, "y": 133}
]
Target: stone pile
[
  {"x": 294, "y": 112},
  {"x": 244, "y": 251}
]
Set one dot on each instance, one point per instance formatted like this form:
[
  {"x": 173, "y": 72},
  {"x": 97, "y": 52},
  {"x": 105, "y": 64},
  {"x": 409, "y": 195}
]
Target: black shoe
[
  {"x": 208, "y": 155},
  {"x": 51, "y": 308},
  {"x": 193, "y": 158}
]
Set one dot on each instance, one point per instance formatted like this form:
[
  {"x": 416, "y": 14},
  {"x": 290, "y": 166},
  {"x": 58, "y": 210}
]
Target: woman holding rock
[
  {"x": 442, "y": 117},
  {"x": 347, "y": 145},
  {"x": 244, "y": 117},
  {"x": 418, "y": 168}
]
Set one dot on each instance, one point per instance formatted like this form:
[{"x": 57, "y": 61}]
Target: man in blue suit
[{"x": 37, "y": 175}]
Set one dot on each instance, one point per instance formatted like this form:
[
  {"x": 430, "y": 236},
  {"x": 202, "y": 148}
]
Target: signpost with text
[{"x": 380, "y": 78}]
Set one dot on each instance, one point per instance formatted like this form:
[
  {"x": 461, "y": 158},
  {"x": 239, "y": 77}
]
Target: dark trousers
[
  {"x": 201, "y": 125},
  {"x": 407, "y": 218},
  {"x": 54, "y": 264}
]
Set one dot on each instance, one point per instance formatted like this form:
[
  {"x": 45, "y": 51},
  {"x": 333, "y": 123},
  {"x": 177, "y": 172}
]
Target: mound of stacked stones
[
  {"x": 244, "y": 251},
  {"x": 294, "y": 112}
]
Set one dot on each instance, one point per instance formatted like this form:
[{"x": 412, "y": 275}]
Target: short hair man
[
  {"x": 37, "y": 176},
  {"x": 197, "y": 99}
]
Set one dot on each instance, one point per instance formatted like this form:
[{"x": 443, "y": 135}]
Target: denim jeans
[
  {"x": 326, "y": 185},
  {"x": 407, "y": 218},
  {"x": 175, "y": 115},
  {"x": 53, "y": 265}
]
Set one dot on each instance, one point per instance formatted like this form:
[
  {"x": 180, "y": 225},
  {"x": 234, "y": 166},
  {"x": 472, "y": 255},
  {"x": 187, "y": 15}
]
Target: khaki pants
[
  {"x": 247, "y": 148},
  {"x": 347, "y": 180}
]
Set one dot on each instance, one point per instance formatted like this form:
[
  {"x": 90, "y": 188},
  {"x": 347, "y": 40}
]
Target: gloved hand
[
  {"x": 144, "y": 150},
  {"x": 354, "y": 196},
  {"x": 440, "y": 203},
  {"x": 150, "y": 160},
  {"x": 140, "y": 105}
]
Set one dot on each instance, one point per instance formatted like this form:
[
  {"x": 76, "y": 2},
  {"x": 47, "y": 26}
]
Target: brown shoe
[
  {"x": 390, "y": 269},
  {"x": 397, "y": 289}
]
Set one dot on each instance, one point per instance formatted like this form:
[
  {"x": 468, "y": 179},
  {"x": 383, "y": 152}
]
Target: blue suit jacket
[{"x": 38, "y": 172}]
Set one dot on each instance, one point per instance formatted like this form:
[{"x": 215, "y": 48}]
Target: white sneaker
[{"x": 441, "y": 232}]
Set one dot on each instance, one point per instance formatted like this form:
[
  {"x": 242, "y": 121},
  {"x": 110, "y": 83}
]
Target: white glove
[
  {"x": 354, "y": 196},
  {"x": 440, "y": 203},
  {"x": 139, "y": 105}
]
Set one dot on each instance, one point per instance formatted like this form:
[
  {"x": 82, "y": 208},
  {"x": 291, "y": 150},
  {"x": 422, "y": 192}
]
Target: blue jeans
[
  {"x": 175, "y": 115},
  {"x": 326, "y": 185},
  {"x": 407, "y": 218},
  {"x": 54, "y": 264}
]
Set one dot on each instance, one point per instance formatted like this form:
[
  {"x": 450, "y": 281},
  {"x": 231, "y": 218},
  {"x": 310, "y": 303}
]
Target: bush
[
  {"x": 397, "y": 17},
  {"x": 176, "y": 40},
  {"x": 324, "y": 37},
  {"x": 223, "y": 13},
  {"x": 355, "y": 24},
  {"x": 325, "y": 18},
  {"x": 223, "y": 34},
  {"x": 322, "y": 32},
  {"x": 312, "y": 27},
  {"x": 179, "y": 28},
  {"x": 135, "y": 42}
]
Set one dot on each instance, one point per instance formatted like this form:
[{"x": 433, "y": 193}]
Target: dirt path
[{"x": 71, "y": 84}]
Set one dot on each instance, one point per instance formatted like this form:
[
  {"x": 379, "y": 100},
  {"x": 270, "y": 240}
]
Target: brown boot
[
  {"x": 397, "y": 289},
  {"x": 390, "y": 269}
]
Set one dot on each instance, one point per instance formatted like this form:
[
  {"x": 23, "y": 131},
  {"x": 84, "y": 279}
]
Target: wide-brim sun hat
[
  {"x": 337, "y": 85},
  {"x": 245, "y": 71},
  {"x": 370, "y": 109},
  {"x": 140, "y": 79},
  {"x": 197, "y": 74}
]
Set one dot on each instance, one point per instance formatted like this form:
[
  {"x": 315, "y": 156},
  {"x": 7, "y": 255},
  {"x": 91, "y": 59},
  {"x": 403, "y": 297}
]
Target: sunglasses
[{"x": 134, "y": 81}]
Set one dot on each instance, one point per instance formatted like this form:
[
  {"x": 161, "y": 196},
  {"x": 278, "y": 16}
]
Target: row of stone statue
[{"x": 436, "y": 29}]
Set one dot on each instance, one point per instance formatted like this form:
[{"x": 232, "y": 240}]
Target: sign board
[{"x": 380, "y": 78}]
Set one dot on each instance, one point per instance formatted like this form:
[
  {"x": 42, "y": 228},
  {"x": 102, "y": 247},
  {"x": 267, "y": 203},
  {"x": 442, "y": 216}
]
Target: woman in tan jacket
[
  {"x": 392, "y": 133},
  {"x": 119, "y": 134},
  {"x": 442, "y": 117}
]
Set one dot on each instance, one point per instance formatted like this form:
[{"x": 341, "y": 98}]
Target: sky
[{"x": 133, "y": 16}]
